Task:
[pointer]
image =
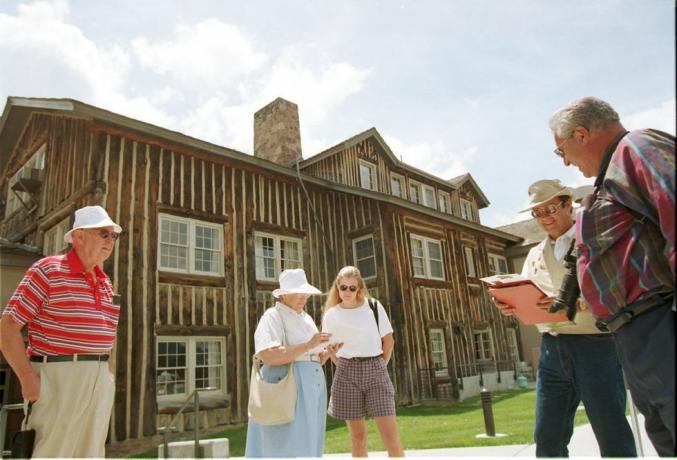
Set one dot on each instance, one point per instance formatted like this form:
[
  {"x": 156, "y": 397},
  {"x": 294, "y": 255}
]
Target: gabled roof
[
  {"x": 459, "y": 181},
  {"x": 18, "y": 111},
  {"x": 373, "y": 133}
]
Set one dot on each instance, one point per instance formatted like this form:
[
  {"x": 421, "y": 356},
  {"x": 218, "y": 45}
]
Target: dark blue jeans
[
  {"x": 646, "y": 347},
  {"x": 575, "y": 368}
]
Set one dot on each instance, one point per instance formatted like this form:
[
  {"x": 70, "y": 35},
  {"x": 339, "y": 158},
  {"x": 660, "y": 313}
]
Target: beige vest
[{"x": 547, "y": 272}]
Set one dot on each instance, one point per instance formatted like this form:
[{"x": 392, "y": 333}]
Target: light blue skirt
[{"x": 304, "y": 437}]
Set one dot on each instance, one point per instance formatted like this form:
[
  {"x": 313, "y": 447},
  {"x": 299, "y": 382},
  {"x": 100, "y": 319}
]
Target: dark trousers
[
  {"x": 575, "y": 368},
  {"x": 646, "y": 347}
]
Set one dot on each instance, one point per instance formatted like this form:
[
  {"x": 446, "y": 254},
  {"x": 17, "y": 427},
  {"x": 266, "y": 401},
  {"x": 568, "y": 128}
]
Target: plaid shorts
[{"x": 361, "y": 384}]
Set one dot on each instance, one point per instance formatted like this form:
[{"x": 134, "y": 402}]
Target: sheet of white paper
[{"x": 343, "y": 332}]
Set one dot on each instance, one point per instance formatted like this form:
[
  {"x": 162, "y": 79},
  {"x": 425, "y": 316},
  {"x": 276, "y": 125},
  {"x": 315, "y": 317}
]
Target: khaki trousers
[{"x": 72, "y": 414}]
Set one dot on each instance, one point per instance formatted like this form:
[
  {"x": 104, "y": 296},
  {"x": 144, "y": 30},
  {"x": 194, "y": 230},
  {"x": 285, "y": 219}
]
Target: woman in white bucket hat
[{"x": 285, "y": 334}]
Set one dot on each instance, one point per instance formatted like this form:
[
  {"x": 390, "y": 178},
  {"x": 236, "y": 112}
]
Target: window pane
[
  {"x": 265, "y": 257},
  {"x": 208, "y": 365},
  {"x": 418, "y": 262},
  {"x": 367, "y": 179},
  {"x": 429, "y": 197},
  {"x": 396, "y": 186},
  {"x": 436, "y": 269},
  {"x": 171, "y": 368}
]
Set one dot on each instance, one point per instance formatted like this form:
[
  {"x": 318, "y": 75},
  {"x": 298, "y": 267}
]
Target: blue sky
[{"x": 453, "y": 86}]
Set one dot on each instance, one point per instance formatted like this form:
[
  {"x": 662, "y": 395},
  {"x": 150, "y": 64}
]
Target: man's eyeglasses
[
  {"x": 343, "y": 287},
  {"x": 558, "y": 150},
  {"x": 546, "y": 210}
]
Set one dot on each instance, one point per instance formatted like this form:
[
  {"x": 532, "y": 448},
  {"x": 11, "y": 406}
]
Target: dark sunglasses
[
  {"x": 105, "y": 234},
  {"x": 343, "y": 287}
]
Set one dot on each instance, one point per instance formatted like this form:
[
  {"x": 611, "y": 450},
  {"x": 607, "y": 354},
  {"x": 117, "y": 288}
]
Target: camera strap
[{"x": 633, "y": 310}]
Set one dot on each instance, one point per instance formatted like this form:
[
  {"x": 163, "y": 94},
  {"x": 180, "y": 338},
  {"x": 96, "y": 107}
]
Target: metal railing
[{"x": 171, "y": 427}]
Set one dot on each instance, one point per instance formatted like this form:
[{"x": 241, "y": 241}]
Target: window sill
[
  {"x": 206, "y": 403},
  {"x": 191, "y": 280},
  {"x": 431, "y": 283}
]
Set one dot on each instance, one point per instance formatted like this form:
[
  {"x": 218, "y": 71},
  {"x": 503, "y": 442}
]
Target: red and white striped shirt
[{"x": 68, "y": 311}]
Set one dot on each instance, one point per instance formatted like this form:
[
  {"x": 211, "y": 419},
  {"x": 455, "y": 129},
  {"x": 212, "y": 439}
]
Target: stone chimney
[{"x": 277, "y": 136}]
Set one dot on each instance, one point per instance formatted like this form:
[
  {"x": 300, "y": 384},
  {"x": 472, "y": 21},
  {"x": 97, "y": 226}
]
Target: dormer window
[
  {"x": 415, "y": 192},
  {"x": 466, "y": 209},
  {"x": 445, "y": 202},
  {"x": 368, "y": 176},
  {"x": 429, "y": 197},
  {"x": 397, "y": 185}
]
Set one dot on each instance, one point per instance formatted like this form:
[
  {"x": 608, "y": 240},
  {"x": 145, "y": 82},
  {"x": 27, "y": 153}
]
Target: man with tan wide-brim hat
[
  {"x": 577, "y": 362},
  {"x": 66, "y": 302}
]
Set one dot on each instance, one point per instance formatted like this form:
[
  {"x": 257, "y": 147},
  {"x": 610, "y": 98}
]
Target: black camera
[{"x": 569, "y": 292}]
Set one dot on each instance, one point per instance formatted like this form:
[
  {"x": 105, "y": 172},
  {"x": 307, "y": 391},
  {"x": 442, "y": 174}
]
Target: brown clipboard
[{"x": 523, "y": 297}]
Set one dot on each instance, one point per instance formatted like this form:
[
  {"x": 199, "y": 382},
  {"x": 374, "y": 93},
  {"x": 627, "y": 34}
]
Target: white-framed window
[
  {"x": 484, "y": 344},
  {"x": 397, "y": 185},
  {"x": 53, "y": 243},
  {"x": 466, "y": 209},
  {"x": 15, "y": 197},
  {"x": 368, "y": 175},
  {"x": 365, "y": 257},
  {"x": 185, "y": 364},
  {"x": 414, "y": 191},
  {"x": 275, "y": 253},
  {"x": 470, "y": 262},
  {"x": 429, "y": 197},
  {"x": 497, "y": 264},
  {"x": 439, "y": 352},
  {"x": 426, "y": 258},
  {"x": 190, "y": 246},
  {"x": 445, "y": 202}
]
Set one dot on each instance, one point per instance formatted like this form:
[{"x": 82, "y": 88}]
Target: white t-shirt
[
  {"x": 356, "y": 328},
  {"x": 299, "y": 327}
]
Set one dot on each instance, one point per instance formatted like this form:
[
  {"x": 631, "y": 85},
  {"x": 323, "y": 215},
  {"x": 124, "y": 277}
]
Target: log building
[{"x": 207, "y": 230}]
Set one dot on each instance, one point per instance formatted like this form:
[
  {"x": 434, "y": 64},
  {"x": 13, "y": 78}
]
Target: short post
[
  {"x": 485, "y": 396},
  {"x": 196, "y": 412}
]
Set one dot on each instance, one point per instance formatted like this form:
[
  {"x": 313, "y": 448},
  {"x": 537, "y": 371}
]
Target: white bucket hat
[
  {"x": 293, "y": 281},
  {"x": 545, "y": 190},
  {"x": 91, "y": 217}
]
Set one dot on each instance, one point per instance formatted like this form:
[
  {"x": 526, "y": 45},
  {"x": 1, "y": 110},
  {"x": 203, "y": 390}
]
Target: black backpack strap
[{"x": 374, "y": 309}]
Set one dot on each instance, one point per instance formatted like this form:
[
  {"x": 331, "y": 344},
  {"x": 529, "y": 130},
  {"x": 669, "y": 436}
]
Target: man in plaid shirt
[{"x": 625, "y": 238}]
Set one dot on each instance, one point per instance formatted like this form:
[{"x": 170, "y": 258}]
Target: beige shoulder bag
[{"x": 272, "y": 403}]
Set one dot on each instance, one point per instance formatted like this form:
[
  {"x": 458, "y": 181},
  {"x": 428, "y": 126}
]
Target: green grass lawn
[{"x": 431, "y": 425}]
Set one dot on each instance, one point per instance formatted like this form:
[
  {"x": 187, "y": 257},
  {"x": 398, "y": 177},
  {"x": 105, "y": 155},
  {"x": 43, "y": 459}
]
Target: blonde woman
[{"x": 361, "y": 381}]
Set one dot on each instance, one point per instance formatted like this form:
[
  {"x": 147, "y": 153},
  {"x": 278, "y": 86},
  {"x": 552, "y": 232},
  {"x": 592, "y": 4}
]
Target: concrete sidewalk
[{"x": 583, "y": 444}]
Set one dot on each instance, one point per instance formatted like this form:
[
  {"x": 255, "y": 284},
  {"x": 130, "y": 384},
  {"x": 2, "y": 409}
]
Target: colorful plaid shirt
[
  {"x": 626, "y": 238},
  {"x": 67, "y": 310}
]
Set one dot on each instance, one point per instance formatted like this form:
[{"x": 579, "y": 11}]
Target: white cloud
[
  {"x": 316, "y": 87},
  {"x": 209, "y": 53},
  {"x": 433, "y": 157},
  {"x": 661, "y": 117},
  {"x": 51, "y": 57}
]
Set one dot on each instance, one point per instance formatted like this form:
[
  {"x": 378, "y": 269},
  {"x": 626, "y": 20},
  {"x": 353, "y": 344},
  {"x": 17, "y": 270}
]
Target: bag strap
[
  {"x": 285, "y": 342},
  {"x": 24, "y": 424},
  {"x": 374, "y": 309}
]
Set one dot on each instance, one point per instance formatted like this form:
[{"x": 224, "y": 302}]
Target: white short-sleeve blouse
[{"x": 299, "y": 328}]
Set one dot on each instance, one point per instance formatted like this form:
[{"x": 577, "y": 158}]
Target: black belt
[
  {"x": 363, "y": 358},
  {"x": 68, "y": 358},
  {"x": 632, "y": 311}
]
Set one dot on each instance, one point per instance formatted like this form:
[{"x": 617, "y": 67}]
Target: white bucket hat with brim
[
  {"x": 91, "y": 217},
  {"x": 544, "y": 190},
  {"x": 293, "y": 281}
]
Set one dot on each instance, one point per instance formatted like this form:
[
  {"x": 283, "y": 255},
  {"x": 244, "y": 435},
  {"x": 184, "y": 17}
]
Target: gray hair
[{"x": 589, "y": 112}]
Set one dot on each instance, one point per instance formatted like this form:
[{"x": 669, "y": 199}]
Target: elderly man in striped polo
[{"x": 67, "y": 303}]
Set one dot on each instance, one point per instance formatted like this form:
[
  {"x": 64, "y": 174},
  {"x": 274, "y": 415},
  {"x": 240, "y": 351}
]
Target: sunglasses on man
[{"x": 105, "y": 234}]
